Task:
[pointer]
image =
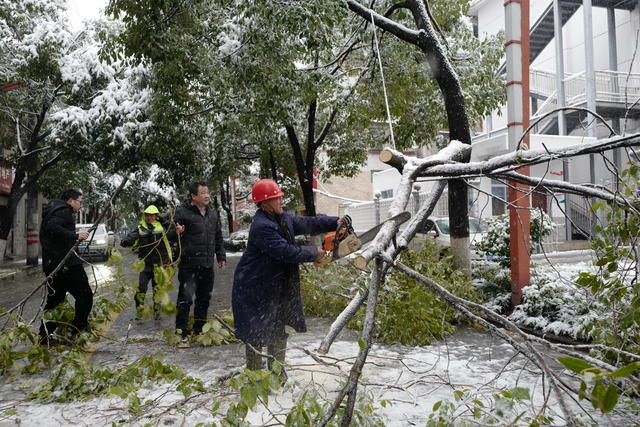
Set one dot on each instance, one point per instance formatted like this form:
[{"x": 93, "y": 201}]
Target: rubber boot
[
  {"x": 277, "y": 348},
  {"x": 254, "y": 360}
]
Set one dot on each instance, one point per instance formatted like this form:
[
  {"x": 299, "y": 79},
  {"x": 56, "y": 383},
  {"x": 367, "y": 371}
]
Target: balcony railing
[{"x": 611, "y": 86}]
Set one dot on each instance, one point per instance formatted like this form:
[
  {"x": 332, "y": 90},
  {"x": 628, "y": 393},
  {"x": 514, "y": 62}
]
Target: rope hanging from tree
[{"x": 384, "y": 86}]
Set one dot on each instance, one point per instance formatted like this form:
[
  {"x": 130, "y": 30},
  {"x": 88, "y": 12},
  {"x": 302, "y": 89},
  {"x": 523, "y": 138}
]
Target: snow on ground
[{"x": 411, "y": 379}]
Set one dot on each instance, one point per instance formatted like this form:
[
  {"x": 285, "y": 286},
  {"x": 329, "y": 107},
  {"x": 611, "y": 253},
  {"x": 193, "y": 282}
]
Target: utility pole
[{"x": 517, "y": 53}]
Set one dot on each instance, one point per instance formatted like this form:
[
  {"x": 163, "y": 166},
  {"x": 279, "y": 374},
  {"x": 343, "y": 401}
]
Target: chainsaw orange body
[{"x": 344, "y": 240}]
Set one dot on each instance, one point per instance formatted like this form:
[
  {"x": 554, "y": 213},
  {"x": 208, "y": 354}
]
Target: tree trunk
[
  {"x": 304, "y": 171},
  {"x": 225, "y": 204},
  {"x": 427, "y": 41},
  {"x": 273, "y": 166},
  {"x": 458, "y": 122},
  {"x": 32, "y": 226},
  {"x": 6, "y": 223}
]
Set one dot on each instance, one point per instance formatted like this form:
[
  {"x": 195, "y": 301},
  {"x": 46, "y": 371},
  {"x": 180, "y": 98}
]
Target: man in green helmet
[{"x": 151, "y": 240}]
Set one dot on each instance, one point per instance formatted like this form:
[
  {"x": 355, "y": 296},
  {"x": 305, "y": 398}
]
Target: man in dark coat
[
  {"x": 266, "y": 286},
  {"x": 200, "y": 243},
  {"x": 57, "y": 236}
]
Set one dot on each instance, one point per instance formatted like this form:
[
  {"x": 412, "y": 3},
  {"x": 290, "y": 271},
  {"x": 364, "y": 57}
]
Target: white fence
[{"x": 369, "y": 214}]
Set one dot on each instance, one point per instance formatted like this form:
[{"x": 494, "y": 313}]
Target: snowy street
[{"x": 410, "y": 379}]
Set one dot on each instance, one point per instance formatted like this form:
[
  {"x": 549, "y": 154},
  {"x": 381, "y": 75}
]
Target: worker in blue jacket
[{"x": 266, "y": 287}]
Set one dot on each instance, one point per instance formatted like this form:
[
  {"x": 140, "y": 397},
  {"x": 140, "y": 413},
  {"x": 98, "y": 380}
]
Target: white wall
[{"x": 490, "y": 15}]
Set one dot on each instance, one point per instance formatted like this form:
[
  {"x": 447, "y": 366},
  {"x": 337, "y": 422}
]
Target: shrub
[
  {"x": 553, "y": 304},
  {"x": 495, "y": 242},
  {"x": 550, "y": 304},
  {"x": 408, "y": 313}
]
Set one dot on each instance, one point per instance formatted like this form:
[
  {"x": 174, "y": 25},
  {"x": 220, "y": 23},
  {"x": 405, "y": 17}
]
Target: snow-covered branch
[
  {"x": 522, "y": 158},
  {"x": 398, "y": 30}
]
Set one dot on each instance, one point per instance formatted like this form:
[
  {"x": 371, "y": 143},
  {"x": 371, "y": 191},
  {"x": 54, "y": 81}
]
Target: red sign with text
[{"x": 6, "y": 179}]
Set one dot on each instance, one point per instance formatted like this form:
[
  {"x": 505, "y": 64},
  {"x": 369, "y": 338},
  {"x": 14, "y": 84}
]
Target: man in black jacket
[
  {"x": 57, "y": 236},
  {"x": 200, "y": 241}
]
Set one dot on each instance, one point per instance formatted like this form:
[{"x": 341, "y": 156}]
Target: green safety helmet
[{"x": 151, "y": 209}]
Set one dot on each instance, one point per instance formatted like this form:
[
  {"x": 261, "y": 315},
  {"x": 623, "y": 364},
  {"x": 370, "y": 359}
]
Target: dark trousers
[
  {"x": 276, "y": 343},
  {"x": 199, "y": 282},
  {"x": 143, "y": 285},
  {"x": 74, "y": 280}
]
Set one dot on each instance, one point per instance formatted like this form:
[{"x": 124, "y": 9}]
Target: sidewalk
[{"x": 10, "y": 269}]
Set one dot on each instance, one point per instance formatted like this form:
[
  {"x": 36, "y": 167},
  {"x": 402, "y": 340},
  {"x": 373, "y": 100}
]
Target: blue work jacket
[{"x": 268, "y": 272}]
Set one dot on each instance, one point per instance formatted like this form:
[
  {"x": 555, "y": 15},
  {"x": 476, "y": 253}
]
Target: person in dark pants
[
  {"x": 57, "y": 236},
  {"x": 151, "y": 240},
  {"x": 200, "y": 243},
  {"x": 266, "y": 284}
]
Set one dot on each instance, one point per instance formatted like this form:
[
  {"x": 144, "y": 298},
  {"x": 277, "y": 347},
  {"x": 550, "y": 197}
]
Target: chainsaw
[{"x": 345, "y": 241}]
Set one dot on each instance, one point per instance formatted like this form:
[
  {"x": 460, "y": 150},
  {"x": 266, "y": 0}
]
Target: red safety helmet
[{"x": 265, "y": 189}]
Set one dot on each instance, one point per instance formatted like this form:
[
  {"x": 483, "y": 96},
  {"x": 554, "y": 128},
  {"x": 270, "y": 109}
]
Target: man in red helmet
[{"x": 266, "y": 286}]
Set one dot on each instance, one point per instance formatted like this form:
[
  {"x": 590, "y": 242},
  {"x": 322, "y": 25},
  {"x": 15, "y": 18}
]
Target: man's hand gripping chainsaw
[
  {"x": 344, "y": 240},
  {"x": 339, "y": 243}
]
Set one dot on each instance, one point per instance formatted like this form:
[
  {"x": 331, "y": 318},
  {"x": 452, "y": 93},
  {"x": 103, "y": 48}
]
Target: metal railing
[
  {"x": 369, "y": 214},
  {"x": 580, "y": 216},
  {"x": 611, "y": 86},
  {"x": 542, "y": 82}
]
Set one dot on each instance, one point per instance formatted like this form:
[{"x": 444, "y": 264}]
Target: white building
[
  {"x": 563, "y": 54},
  {"x": 557, "y": 42}
]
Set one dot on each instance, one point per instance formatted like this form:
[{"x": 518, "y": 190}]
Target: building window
[
  {"x": 386, "y": 194},
  {"x": 498, "y": 190}
]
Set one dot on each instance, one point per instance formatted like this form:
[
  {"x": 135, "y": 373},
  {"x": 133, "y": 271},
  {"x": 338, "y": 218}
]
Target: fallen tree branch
[
  {"x": 365, "y": 344},
  {"x": 465, "y": 307}
]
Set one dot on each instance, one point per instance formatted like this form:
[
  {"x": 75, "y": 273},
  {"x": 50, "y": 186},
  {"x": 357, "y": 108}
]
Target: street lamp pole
[{"x": 234, "y": 205}]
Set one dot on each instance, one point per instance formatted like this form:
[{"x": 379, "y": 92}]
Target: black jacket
[
  {"x": 58, "y": 235},
  {"x": 152, "y": 242},
  {"x": 202, "y": 237}
]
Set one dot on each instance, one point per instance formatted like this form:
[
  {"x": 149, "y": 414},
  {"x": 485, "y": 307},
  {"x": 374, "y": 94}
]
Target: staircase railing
[
  {"x": 580, "y": 217},
  {"x": 542, "y": 83}
]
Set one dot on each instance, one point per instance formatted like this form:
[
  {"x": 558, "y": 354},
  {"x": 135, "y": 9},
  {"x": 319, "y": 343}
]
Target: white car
[
  {"x": 438, "y": 229},
  {"x": 99, "y": 244}
]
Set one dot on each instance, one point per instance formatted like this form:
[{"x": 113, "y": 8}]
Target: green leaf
[
  {"x": 625, "y": 371},
  {"x": 215, "y": 407},
  {"x": 437, "y": 405},
  {"x": 118, "y": 392},
  {"x": 249, "y": 395},
  {"x": 610, "y": 399},
  {"x": 597, "y": 395},
  {"x": 602, "y": 261},
  {"x": 573, "y": 364},
  {"x": 520, "y": 393},
  {"x": 361, "y": 343},
  {"x": 138, "y": 266}
]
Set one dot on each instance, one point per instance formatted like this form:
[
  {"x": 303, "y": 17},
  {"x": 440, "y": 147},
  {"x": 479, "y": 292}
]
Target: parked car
[
  {"x": 237, "y": 241},
  {"x": 438, "y": 229},
  {"x": 99, "y": 244}
]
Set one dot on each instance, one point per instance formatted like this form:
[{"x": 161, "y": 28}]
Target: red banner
[{"x": 6, "y": 179}]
